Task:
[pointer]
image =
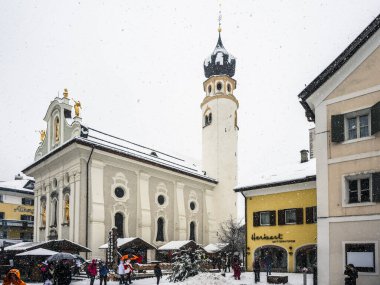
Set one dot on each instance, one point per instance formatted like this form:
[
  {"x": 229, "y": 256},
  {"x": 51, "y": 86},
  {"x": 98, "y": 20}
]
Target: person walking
[
  {"x": 236, "y": 267},
  {"x": 103, "y": 272},
  {"x": 92, "y": 271},
  {"x": 268, "y": 262},
  {"x": 128, "y": 271},
  {"x": 256, "y": 269},
  {"x": 228, "y": 262},
  {"x": 13, "y": 278},
  {"x": 158, "y": 272},
  {"x": 121, "y": 272},
  {"x": 62, "y": 273},
  {"x": 352, "y": 274}
]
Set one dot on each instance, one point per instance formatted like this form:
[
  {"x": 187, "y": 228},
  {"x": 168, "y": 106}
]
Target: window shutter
[
  {"x": 375, "y": 118},
  {"x": 22, "y": 201},
  {"x": 256, "y": 219},
  {"x": 376, "y": 187},
  {"x": 299, "y": 216},
  {"x": 337, "y": 128},
  {"x": 309, "y": 215},
  {"x": 281, "y": 217},
  {"x": 272, "y": 218}
]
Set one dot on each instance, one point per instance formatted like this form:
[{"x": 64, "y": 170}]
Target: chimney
[
  {"x": 304, "y": 156},
  {"x": 18, "y": 177}
]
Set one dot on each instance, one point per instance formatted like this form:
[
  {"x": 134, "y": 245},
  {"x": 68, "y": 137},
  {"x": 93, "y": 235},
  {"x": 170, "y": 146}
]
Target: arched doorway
[
  {"x": 279, "y": 257},
  {"x": 306, "y": 256}
]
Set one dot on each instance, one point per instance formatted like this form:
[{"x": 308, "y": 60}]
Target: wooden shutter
[
  {"x": 256, "y": 219},
  {"x": 272, "y": 218},
  {"x": 337, "y": 128},
  {"x": 299, "y": 216},
  {"x": 375, "y": 118},
  {"x": 309, "y": 215},
  {"x": 281, "y": 217},
  {"x": 376, "y": 187}
]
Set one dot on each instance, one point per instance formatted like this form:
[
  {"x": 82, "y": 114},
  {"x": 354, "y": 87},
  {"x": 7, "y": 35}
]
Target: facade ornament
[
  {"x": 42, "y": 135},
  {"x": 56, "y": 126},
  {"x": 67, "y": 211},
  {"x": 77, "y": 106},
  {"x": 43, "y": 215},
  {"x": 65, "y": 93}
]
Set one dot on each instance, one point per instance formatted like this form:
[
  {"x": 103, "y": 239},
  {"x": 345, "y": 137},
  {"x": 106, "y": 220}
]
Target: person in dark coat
[
  {"x": 268, "y": 260},
  {"x": 62, "y": 273},
  {"x": 103, "y": 272},
  {"x": 157, "y": 272},
  {"x": 236, "y": 267},
  {"x": 256, "y": 269},
  {"x": 352, "y": 274}
]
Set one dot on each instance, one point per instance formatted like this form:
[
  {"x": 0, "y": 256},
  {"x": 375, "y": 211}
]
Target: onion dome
[{"x": 220, "y": 62}]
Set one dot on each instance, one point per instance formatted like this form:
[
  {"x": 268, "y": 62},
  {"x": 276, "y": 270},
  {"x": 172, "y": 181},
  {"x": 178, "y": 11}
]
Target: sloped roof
[
  {"x": 109, "y": 143},
  {"x": 286, "y": 174},
  {"x": 130, "y": 242},
  {"x": 215, "y": 247},
  {"x": 57, "y": 245},
  {"x": 336, "y": 65},
  {"x": 38, "y": 252},
  {"x": 177, "y": 244},
  {"x": 18, "y": 185}
]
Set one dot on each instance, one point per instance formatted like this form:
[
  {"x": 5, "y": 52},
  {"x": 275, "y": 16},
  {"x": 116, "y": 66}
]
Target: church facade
[{"x": 87, "y": 181}]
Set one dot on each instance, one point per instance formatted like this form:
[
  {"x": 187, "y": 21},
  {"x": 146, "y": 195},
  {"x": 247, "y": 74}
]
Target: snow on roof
[
  {"x": 175, "y": 244},
  {"x": 21, "y": 246},
  {"x": 146, "y": 153},
  {"x": 215, "y": 247},
  {"x": 18, "y": 185},
  {"x": 38, "y": 252},
  {"x": 120, "y": 242},
  {"x": 284, "y": 173}
]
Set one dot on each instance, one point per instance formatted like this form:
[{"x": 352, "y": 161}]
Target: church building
[{"x": 88, "y": 181}]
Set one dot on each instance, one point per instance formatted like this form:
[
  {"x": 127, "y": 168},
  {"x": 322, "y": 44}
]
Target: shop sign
[
  {"x": 266, "y": 237},
  {"x": 22, "y": 209}
]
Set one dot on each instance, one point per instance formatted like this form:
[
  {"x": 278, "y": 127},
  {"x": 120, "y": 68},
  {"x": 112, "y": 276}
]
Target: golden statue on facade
[
  {"x": 43, "y": 214},
  {"x": 77, "y": 106},
  {"x": 67, "y": 211},
  {"x": 42, "y": 135},
  {"x": 56, "y": 126},
  {"x": 65, "y": 93}
]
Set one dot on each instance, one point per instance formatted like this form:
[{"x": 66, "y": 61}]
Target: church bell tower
[{"x": 220, "y": 129}]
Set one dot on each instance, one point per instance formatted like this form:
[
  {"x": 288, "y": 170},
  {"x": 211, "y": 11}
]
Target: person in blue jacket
[{"x": 103, "y": 272}]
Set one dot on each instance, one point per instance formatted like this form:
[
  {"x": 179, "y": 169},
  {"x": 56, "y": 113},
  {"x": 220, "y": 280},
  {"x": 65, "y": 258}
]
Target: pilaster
[
  {"x": 180, "y": 217},
  {"x": 77, "y": 202},
  {"x": 60, "y": 208},
  {"x": 48, "y": 214},
  {"x": 145, "y": 215}
]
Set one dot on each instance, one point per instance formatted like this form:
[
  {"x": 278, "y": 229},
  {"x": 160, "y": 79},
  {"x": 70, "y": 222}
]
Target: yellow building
[
  {"x": 17, "y": 209},
  {"x": 281, "y": 218}
]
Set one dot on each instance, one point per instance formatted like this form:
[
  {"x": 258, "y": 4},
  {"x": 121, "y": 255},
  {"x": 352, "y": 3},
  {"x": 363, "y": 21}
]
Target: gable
[{"x": 366, "y": 75}]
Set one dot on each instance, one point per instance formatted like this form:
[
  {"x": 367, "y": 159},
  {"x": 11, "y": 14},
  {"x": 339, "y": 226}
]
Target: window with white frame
[
  {"x": 362, "y": 256},
  {"x": 357, "y": 125},
  {"x": 359, "y": 189},
  {"x": 264, "y": 218},
  {"x": 290, "y": 217}
]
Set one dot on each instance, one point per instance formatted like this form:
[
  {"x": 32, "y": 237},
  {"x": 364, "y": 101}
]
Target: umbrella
[
  {"x": 129, "y": 256},
  {"x": 60, "y": 256}
]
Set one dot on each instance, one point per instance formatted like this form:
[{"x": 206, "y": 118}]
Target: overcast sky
[{"x": 136, "y": 67}]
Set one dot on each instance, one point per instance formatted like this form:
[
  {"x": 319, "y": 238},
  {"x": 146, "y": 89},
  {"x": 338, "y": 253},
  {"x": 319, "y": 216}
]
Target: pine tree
[{"x": 187, "y": 263}]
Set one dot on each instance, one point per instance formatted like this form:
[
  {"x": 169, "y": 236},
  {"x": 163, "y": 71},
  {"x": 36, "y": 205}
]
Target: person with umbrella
[{"x": 63, "y": 272}]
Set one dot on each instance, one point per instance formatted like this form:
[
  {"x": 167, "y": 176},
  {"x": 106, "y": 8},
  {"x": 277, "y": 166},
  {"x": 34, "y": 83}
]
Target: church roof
[
  {"x": 330, "y": 70},
  {"x": 220, "y": 62},
  {"x": 109, "y": 143}
]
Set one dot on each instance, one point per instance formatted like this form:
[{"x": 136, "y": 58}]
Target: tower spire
[{"x": 220, "y": 19}]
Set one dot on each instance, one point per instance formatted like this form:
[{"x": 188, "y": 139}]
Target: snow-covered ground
[{"x": 211, "y": 279}]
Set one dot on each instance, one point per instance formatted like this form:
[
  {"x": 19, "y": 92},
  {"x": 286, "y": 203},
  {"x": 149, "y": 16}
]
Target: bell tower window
[
  {"x": 219, "y": 86},
  {"x": 207, "y": 119}
]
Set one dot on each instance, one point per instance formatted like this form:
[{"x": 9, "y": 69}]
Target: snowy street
[{"x": 210, "y": 279}]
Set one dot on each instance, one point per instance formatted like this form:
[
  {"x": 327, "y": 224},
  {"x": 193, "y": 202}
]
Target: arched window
[
  {"x": 192, "y": 231},
  {"x": 209, "y": 118},
  {"x": 119, "y": 224},
  {"x": 160, "y": 229},
  {"x": 54, "y": 212},
  {"x": 56, "y": 130}
]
